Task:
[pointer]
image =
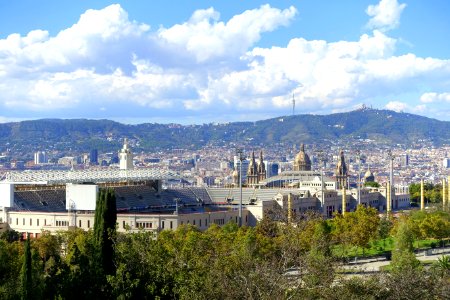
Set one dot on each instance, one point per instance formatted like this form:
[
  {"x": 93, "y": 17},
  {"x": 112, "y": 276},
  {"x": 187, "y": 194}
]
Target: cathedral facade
[{"x": 256, "y": 171}]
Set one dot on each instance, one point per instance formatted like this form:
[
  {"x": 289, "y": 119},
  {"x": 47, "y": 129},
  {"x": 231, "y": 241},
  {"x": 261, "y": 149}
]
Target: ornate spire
[
  {"x": 341, "y": 170},
  {"x": 302, "y": 161},
  {"x": 252, "y": 171},
  {"x": 261, "y": 166}
]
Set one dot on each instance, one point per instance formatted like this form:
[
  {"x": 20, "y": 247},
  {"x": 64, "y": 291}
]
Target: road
[{"x": 374, "y": 264}]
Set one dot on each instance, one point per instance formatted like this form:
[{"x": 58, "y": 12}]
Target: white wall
[
  {"x": 84, "y": 196},
  {"x": 6, "y": 194}
]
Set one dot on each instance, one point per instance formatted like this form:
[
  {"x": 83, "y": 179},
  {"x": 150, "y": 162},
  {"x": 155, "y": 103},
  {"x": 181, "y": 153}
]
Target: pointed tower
[
  {"x": 261, "y": 168},
  {"x": 302, "y": 161},
  {"x": 235, "y": 176},
  {"x": 341, "y": 171},
  {"x": 126, "y": 157},
  {"x": 369, "y": 177},
  {"x": 252, "y": 171}
]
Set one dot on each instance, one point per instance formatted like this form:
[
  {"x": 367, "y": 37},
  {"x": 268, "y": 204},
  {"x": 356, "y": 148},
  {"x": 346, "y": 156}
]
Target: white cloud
[
  {"x": 206, "y": 65},
  {"x": 435, "y": 97},
  {"x": 204, "y": 37},
  {"x": 385, "y": 15},
  {"x": 397, "y": 106}
]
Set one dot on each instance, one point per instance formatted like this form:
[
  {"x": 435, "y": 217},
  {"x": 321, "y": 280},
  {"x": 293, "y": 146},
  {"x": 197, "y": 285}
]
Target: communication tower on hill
[{"x": 293, "y": 104}]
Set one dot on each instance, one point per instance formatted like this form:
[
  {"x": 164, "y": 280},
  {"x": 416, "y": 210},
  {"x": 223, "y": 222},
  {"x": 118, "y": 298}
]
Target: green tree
[
  {"x": 385, "y": 227},
  {"x": 432, "y": 193},
  {"x": 366, "y": 226},
  {"x": 319, "y": 264},
  {"x": 10, "y": 268},
  {"x": 356, "y": 228},
  {"x": 9, "y": 235},
  {"x": 371, "y": 184},
  {"x": 105, "y": 229},
  {"x": 26, "y": 291},
  {"x": 442, "y": 266},
  {"x": 434, "y": 226},
  {"x": 403, "y": 254}
]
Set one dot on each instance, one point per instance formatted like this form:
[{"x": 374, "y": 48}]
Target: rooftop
[{"x": 80, "y": 176}]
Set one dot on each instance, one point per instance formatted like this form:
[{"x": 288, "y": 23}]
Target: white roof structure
[{"x": 80, "y": 176}]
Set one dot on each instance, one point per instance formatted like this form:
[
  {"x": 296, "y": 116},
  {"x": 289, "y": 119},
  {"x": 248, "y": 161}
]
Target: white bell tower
[{"x": 126, "y": 157}]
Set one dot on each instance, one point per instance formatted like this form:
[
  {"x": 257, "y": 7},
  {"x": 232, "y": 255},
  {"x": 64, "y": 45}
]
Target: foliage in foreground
[{"x": 274, "y": 260}]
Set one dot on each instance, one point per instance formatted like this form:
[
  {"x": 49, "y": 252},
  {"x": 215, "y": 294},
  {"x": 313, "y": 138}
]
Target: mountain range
[{"x": 379, "y": 126}]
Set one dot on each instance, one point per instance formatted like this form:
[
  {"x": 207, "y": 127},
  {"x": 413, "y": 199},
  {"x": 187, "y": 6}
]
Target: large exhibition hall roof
[{"x": 80, "y": 176}]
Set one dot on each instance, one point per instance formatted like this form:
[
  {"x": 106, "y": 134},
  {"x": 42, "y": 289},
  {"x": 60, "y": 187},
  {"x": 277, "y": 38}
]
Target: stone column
[{"x": 422, "y": 196}]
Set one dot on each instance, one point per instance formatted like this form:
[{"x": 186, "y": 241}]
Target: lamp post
[
  {"x": 391, "y": 175},
  {"x": 241, "y": 157},
  {"x": 358, "y": 157},
  {"x": 321, "y": 157}
]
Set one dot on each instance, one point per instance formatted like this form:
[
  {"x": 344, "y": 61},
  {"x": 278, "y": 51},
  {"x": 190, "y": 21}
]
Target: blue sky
[{"x": 220, "y": 61}]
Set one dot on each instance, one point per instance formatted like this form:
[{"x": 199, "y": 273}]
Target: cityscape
[{"x": 226, "y": 150}]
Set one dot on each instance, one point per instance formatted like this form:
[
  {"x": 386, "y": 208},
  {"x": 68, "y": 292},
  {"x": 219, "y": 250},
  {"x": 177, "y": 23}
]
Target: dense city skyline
[{"x": 139, "y": 63}]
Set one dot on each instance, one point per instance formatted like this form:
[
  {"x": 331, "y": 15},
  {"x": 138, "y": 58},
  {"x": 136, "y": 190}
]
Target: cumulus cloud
[
  {"x": 205, "y": 64},
  {"x": 435, "y": 97},
  {"x": 206, "y": 38},
  {"x": 106, "y": 57},
  {"x": 397, "y": 106},
  {"x": 385, "y": 15}
]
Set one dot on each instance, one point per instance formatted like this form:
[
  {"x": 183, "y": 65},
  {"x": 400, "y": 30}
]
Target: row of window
[
  {"x": 62, "y": 223},
  {"x": 194, "y": 222},
  {"x": 38, "y": 222},
  {"x": 31, "y": 221},
  {"x": 144, "y": 224}
]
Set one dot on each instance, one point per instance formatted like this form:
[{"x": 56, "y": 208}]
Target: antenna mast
[{"x": 293, "y": 105}]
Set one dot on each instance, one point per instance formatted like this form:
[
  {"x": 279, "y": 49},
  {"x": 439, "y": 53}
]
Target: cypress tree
[
  {"x": 104, "y": 229},
  {"x": 25, "y": 274}
]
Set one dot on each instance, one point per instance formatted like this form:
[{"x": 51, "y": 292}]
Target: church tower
[
  {"x": 341, "y": 171},
  {"x": 252, "y": 171},
  {"x": 369, "y": 177},
  {"x": 302, "y": 161},
  {"x": 126, "y": 157},
  {"x": 261, "y": 168}
]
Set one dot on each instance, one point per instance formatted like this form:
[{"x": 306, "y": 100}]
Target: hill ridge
[{"x": 381, "y": 126}]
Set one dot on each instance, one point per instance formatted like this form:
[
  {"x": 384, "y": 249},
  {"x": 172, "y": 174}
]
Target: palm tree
[{"x": 442, "y": 265}]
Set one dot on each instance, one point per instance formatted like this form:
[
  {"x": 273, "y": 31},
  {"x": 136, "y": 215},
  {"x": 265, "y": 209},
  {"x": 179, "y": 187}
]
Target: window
[
  {"x": 200, "y": 221},
  {"x": 144, "y": 224},
  {"x": 17, "y": 221},
  {"x": 45, "y": 222},
  {"x": 62, "y": 223},
  {"x": 79, "y": 223},
  {"x": 162, "y": 224},
  {"x": 193, "y": 222},
  {"x": 37, "y": 221},
  {"x": 219, "y": 221},
  {"x": 31, "y": 222},
  {"x": 123, "y": 224},
  {"x": 171, "y": 225},
  {"x": 89, "y": 224}
]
